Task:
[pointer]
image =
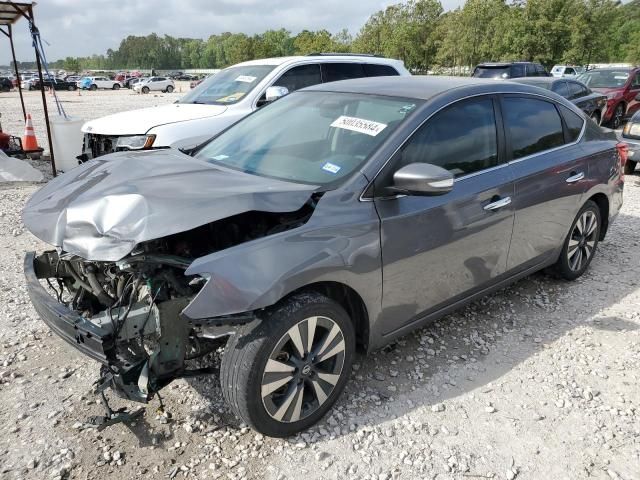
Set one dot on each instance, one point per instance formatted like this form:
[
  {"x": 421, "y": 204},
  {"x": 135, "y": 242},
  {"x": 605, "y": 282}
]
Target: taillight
[
  {"x": 623, "y": 151},
  {"x": 623, "y": 155}
]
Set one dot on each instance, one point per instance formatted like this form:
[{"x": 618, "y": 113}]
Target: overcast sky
[{"x": 81, "y": 27}]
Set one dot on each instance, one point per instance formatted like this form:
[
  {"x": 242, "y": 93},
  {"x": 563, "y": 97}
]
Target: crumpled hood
[
  {"x": 103, "y": 208},
  {"x": 138, "y": 122}
]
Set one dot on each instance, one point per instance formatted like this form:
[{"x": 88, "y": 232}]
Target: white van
[{"x": 223, "y": 99}]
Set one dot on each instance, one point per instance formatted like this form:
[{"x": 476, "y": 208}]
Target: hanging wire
[{"x": 37, "y": 44}]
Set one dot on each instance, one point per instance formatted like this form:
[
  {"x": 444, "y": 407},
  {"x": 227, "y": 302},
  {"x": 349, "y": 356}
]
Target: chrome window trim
[{"x": 479, "y": 172}]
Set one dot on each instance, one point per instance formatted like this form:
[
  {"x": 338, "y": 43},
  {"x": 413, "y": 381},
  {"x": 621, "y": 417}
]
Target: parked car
[
  {"x": 73, "y": 78},
  {"x": 94, "y": 83},
  {"x": 621, "y": 86},
  {"x": 197, "y": 82},
  {"x": 317, "y": 224},
  {"x": 186, "y": 77},
  {"x": 503, "y": 70},
  {"x": 591, "y": 103},
  {"x": 28, "y": 84},
  {"x": 566, "y": 71},
  {"x": 631, "y": 136},
  {"x": 223, "y": 99},
  {"x": 132, "y": 81},
  {"x": 56, "y": 83},
  {"x": 155, "y": 84},
  {"x": 5, "y": 84}
]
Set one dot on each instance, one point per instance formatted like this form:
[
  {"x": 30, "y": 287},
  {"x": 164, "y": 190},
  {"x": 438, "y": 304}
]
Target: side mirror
[
  {"x": 274, "y": 93},
  {"x": 422, "y": 179}
]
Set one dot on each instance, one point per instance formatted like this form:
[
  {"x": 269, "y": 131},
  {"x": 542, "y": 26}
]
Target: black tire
[
  {"x": 71, "y": 88},
  {"x": 169, "y": 89},
  {"x": 595, "y": 116},
  {"x": 145, "y": 89},
  {"x": 630, "y": 167},
  {"x": 570, "y": 266},
  {"x": 244, "y": 376},
  {"x": 618, "y": 116},
  {"x": 116, "y": 86},
  {"x": 93, "y": 87}
]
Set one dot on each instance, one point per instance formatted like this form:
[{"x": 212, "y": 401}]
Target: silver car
[
  {"x": 341, "y": 216},
  {"x": 154, "y": 84}
]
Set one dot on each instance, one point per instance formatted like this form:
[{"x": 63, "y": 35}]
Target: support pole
[
  {"x": 15, "y": 65},
  {"x": 44, "y": 98}
]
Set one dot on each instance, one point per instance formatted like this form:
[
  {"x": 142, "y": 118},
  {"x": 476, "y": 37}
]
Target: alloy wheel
[
  {"x": 582, "y": 242},
  {"x": 618, "y": 116},
  {"x": 303, "y": 369}
]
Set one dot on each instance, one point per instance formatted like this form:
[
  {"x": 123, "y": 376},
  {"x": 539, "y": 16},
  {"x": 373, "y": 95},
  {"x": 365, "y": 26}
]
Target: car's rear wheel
[
  {"x": 580, "y": 245},
  {"x": 169, "y": 89},
  {"x": 145, "y": 89},
  {"x": 618, "y": 116},
  {"x": 116, "y": 86},
  {"x": 629, "y": 167},
  {"x": 71, "y": 88},
  {"x": 283, "y": 373}
]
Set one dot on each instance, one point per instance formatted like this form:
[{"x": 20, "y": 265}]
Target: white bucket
[{"x": 66, "y": 138}]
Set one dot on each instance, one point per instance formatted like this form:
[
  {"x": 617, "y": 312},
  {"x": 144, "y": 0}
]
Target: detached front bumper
[{"x": 77, "y": 331}]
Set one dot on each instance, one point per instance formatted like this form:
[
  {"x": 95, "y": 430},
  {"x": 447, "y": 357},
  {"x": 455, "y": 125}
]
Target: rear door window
[
  {"x": 574, "y": 123},
  {"x": 300, "y": 77},
  {"x": 517, "y": 70},
  {"x": 333, "y": 72},
  {"x": 373, "y": 70},
  {"x": 531, "y": 70},
  {"x": 561, "y": 89},
  {"x": 569, "y": 71},
  {"x": 540, "y": 70},
  {"x": 533, "y": 125},
  {"x": 576, "y": 91}
]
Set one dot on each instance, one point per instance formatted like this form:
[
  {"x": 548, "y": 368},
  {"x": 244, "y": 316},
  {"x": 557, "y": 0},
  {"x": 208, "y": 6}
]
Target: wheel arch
[
  {"x": 349, "y": 299},
  {"x": 602, "y": 201}
]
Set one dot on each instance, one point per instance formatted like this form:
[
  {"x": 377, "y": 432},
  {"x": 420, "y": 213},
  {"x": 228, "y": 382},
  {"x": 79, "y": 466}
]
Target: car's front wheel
[
  {"x": 93, "y": 87},
  {"x": 282, "y": 373},
  {"x": 116, "y": 86},
  {"x": 580, "y": 245},
  {"x": 145, "y": 89},
  {"x": 618, "y": 116}
]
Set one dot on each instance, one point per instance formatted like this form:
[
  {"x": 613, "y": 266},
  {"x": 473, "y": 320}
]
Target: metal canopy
[{"x": 11, "y": 12}]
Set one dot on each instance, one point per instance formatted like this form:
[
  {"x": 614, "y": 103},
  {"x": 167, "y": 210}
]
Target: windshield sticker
[
  {"x": 220, "y": 157},
  {"x": 359, "y": 125},
  {"x": 620, "y": 77},
  {"x": 331, "y": 168},
  {"x": 246, "y": 79},
  {"x": 407, "y": 108}
]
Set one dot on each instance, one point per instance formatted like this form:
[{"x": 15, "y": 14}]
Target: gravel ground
[{"x": 539, "y": 381}]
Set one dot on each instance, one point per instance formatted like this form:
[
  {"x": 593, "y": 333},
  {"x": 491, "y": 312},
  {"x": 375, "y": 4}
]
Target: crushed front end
[{"x": 124, "y": 314}]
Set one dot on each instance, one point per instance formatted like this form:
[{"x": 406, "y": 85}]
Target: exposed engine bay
[{"x": 134, "y": 304}]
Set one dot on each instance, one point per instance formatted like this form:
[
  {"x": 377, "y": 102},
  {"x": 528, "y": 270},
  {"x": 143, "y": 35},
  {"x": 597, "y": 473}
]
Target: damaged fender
[{"x": 257, "y": 274}]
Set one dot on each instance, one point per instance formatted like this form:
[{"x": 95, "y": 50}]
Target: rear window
[
  {"x": 332, "y": 72},
  {"x": 373, "y": 70},
  {"x": 574, "y": 123},
  {"x": 533, "y": 125},
  {"x": 492, "y": 71}
]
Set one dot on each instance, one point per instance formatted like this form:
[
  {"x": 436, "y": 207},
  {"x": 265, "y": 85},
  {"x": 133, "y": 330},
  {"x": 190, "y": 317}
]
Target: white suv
[
  {"x": 100, "y": 82},
  {"x": 223, "y": 99},
  {"x": 566, "y": 71},
  {"x": 158, "y": 84}
]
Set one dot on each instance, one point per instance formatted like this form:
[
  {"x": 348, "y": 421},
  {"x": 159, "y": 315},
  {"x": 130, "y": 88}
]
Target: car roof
[
  {"x": 320, "y": 58},
  {"x": 418, "y": 87},
  {"x": 499, "y": 64},
  {"x": 539, "y": 80}
]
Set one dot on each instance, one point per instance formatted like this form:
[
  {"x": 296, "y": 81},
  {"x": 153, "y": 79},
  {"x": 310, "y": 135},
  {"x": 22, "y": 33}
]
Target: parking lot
[{"x": 537, "y": 381}]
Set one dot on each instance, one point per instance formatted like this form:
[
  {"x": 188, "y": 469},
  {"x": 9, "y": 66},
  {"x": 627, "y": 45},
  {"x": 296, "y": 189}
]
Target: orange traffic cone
[{"x": 29, "y": 141}]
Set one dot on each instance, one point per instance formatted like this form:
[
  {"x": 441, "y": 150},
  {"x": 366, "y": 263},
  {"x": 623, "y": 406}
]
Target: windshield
[
  {"x": 228, "y": 86},
  {"x": 491, "y": 72},
  {"x": 605, "y": 78},
  {"x": 309, "y": 137}
]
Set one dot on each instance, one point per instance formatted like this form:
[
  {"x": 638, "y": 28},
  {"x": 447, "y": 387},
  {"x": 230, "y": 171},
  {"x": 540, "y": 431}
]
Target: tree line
[{"x": 419, "y": 32}]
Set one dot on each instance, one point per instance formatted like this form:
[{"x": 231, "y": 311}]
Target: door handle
[
  {"x": 503, "y": 202},
  {"x": 575, "y": 177}
]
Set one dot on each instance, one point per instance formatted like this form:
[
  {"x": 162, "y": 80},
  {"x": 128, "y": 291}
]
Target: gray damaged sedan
[{"x": 339, "y": 217}]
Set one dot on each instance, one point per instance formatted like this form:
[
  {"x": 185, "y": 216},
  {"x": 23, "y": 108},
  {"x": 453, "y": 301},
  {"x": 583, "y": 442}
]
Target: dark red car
[{"x": 621, "y": 86}]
